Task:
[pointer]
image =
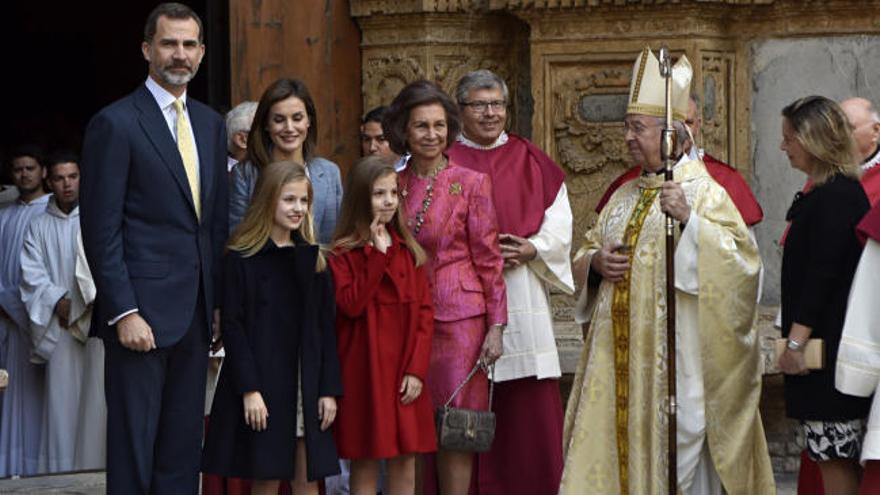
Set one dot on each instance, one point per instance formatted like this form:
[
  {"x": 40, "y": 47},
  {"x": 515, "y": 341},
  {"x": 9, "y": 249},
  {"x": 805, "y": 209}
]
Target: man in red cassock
[{"x": 535, "y": 226}]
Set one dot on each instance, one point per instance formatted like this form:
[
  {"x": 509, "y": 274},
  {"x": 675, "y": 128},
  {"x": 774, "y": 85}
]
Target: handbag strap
[{"x": 479, "y": 365}]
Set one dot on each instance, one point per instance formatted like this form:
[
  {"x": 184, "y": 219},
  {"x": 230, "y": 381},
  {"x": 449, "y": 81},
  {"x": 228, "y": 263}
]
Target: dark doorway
[{"x": 66, "y": 60}]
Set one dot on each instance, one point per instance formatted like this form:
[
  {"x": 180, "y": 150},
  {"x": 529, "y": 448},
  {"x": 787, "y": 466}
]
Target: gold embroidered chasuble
[{"x": 615, "y": 436}]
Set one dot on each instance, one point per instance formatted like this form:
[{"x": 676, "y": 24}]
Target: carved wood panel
[{"x": 715, "y": 89}]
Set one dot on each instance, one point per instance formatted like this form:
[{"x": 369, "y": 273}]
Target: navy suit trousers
[{"x": 155, "y": 407}]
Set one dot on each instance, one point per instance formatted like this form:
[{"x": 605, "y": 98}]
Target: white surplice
[
  {"x": 48, "y": 262},
  {"x": 22, "y": 411},
  {"x": 91, "y": 442},
  {"x": 858, "y": 359},
  {"x": 529, "y": 341}
]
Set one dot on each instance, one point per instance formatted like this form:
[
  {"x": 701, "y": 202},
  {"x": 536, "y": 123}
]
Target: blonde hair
[
  {"x": 356, "y": 214},
  {"x": 253, "y": 232},
  {"x": 822, "y": 128}
]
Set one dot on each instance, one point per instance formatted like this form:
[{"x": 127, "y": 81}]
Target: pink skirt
[{"x": 455, "y": 349}]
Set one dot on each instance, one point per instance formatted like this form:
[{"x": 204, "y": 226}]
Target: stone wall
[{"x": 782, "y": 71}]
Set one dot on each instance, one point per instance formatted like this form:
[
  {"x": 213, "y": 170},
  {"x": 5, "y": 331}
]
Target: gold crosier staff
[{"x": 667, "y": 150}]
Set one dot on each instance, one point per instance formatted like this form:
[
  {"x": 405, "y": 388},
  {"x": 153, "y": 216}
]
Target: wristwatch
[{"x": 794, "y": 345}]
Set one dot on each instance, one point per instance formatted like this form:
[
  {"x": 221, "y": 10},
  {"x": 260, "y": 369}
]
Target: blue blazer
[
  {"x": 326, "y": 184},
  {"x": 145, "y": 245}
]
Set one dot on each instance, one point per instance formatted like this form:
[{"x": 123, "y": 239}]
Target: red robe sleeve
[
  {"x": 737, "y": 188},
  {"x": 871, "y": 184}
]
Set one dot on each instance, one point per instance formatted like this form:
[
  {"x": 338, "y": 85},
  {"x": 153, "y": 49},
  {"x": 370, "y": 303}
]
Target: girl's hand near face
[
  {"x": 256, "y": 415},
  {"x": 326, "y": 411},
  {"x": 379, "y": 235}
]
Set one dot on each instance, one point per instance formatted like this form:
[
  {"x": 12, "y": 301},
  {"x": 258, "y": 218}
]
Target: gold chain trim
[
  {"x": 620, "y": 325},
  {"x": 638, "y": 82}
]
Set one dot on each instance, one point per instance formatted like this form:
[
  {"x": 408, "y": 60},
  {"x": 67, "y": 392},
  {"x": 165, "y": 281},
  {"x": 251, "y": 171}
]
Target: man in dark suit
[{"x": 154, "y": 220}]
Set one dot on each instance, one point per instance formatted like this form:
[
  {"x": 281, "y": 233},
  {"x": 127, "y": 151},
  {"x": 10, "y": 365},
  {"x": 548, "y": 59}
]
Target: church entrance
[{"x": 66, "y": 60}]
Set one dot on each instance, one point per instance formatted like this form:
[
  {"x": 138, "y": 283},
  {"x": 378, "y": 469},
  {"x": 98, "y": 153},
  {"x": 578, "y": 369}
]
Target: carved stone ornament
[
  {"x": 717, "y": 75},
  {"x": 587, "y": 105},
  {"x": 385, "y": 76},
  {"x": 587, "y": 126}
]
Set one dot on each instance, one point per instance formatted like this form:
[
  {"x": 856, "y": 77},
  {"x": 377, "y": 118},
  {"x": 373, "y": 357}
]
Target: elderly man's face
[
  {"x": 27, "y": 174},
  {"x": 642, "y": 136},
  {"x": 866, "y": 130},
  {"x": 483, "y": 115},
  {"x": 175, "y": 52}
]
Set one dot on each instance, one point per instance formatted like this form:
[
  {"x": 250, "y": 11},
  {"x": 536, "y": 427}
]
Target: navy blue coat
[
  {"x": 145, "y": 245},
  {"x": 277, "y": 312}
]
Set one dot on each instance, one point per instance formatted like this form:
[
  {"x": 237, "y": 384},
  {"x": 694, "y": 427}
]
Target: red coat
[{"x": 384, "y": 325}]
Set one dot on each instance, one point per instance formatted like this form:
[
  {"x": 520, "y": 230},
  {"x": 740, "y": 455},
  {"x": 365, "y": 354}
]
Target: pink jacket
[{"x": 460, "y": 236}]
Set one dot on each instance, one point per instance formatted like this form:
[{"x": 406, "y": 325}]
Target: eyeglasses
[
  {"x": 482, "y": 106},
  {"x": 637, "y": 128}
]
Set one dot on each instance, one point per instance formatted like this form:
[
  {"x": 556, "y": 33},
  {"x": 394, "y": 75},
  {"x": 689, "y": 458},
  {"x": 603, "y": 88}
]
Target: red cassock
[
  {"x": 725, "y": 175},
  {"x": 871, "y": 183},
  {"x": 384, "y": 325}
]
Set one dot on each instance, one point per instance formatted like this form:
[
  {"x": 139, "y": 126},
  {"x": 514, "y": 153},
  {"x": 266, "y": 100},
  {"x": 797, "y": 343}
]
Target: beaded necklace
[{"x": 429, "y": 196}]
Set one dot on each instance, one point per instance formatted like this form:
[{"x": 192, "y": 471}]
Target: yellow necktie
[{"x": 187, "y": 148}]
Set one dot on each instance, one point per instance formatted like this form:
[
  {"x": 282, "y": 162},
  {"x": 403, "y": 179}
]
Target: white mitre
[{"x": 647, "y": 91}]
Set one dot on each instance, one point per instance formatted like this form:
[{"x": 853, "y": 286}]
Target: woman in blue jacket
[{"x": 285, "y": 128}]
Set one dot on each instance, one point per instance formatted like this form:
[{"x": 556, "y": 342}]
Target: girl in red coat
[{"x": 384, "y": 324}]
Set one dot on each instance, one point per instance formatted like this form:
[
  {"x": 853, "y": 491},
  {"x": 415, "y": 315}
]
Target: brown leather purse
[{"x": 466, "y": 430}]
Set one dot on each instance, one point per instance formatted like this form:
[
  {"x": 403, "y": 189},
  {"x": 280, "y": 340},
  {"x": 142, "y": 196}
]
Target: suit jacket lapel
[{"x": 155, "y": 127}]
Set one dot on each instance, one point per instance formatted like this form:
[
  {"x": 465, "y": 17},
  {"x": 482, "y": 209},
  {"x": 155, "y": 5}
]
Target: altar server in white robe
[
  {"x": 858, "y": 360},
  {"x": 22, "y": 410},
  {"x": 58, "y": 332},
  {"x": 91, "y": 431}
]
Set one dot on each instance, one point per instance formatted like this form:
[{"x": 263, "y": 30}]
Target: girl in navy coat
[{"x": 275, "y": 398}]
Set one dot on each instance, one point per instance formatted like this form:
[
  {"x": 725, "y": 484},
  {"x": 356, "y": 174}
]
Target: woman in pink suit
[{"x": 450, "y": 211}]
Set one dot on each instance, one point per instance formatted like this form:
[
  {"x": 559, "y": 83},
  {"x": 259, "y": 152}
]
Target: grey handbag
[{"x": 466, "y": 429}]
